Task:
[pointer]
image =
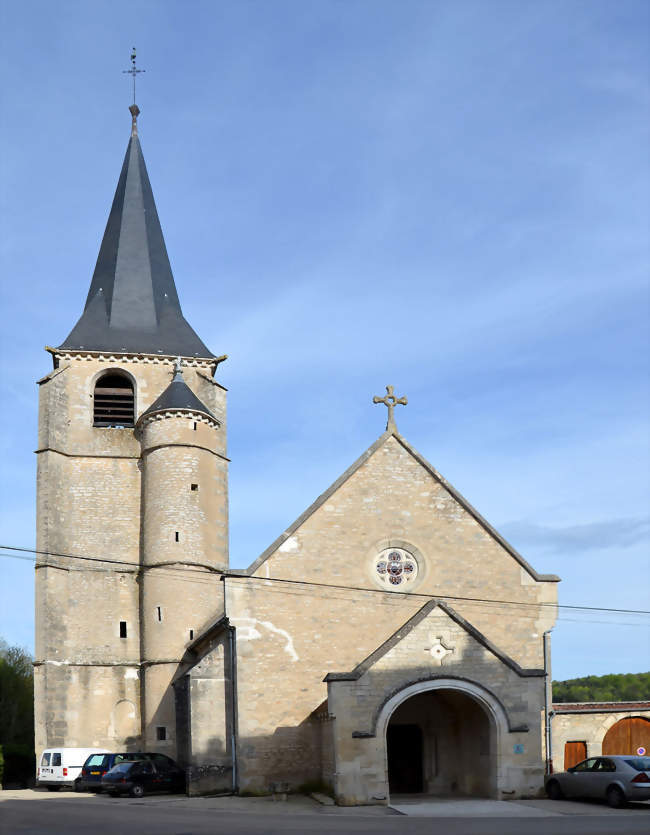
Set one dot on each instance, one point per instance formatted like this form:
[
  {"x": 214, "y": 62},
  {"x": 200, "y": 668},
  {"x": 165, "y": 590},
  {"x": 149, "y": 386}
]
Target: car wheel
[
  {"x": 615, "y": 797},
  {"x": 137, "y": 791},
  {"x": 553, "y": 790}
]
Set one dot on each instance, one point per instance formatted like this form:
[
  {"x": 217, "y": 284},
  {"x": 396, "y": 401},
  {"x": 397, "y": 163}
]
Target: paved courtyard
[{"x": 30, "y": 812}]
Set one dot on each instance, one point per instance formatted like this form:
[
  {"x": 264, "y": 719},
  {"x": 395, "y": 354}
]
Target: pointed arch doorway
[{"x": 442, "y": 742}]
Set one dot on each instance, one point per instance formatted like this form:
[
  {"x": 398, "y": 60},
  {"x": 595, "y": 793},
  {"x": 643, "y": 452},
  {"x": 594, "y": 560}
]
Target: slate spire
[{"x": 132, "y": 304}]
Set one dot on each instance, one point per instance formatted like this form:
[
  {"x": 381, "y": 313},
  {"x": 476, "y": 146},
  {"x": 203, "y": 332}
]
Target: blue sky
[{"x": 451, "y": 197}]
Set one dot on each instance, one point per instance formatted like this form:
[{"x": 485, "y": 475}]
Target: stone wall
[
  {"x": 314, "y": 604},
  {"x": 89, "y": 504},
  {"x": 363, "y": 703},
  {"x": 209, "y": 687},
  {"x": 392, "y": 499},
  {"x": 589, "y": 725}
]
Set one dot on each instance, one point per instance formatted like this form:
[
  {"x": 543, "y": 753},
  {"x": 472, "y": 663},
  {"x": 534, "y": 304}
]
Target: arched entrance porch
[{"x": 442, "y": 739}]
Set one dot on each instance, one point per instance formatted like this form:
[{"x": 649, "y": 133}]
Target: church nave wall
[{"x": 393, "y": 501}]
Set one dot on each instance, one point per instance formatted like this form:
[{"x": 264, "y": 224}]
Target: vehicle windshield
[
  {"x": 639, "y": 763},
  {"x": 95, "y": 761}
]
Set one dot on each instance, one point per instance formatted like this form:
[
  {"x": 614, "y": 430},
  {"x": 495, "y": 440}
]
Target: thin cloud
[{"x": 613, "y": 533}]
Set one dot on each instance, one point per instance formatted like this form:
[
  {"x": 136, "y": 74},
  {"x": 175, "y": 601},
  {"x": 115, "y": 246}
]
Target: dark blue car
[
  {"x": 143, "y": 777},
  {"x": 97, "y": 765}
]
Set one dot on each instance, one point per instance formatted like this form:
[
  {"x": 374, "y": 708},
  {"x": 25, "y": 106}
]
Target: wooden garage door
[
  {"x": 574, "y": 753},
  {"x": 627, "y": 736}
]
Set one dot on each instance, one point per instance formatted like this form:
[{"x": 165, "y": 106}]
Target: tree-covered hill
[{"x": 616, "y": 687}]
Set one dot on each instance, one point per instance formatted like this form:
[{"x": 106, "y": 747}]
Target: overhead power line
[{"x": 286, "y": 581}]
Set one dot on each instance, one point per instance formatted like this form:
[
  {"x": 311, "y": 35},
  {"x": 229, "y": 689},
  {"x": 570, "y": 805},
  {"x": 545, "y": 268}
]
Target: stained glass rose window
[{"x": 396, "y": 567}]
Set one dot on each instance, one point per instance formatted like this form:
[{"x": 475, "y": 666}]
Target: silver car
[{"x": 615, "y": 779}]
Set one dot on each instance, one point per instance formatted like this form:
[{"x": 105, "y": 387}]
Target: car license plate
[{"x": 95, "y": 772}]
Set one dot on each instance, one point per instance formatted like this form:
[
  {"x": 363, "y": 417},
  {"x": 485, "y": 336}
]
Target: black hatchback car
[
  {"x": 144, "y": 776},
  {"x": 97, "y": 765}
]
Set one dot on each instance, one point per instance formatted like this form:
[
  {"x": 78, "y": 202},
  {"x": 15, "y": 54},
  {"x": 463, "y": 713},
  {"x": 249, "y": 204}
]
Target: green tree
[
  {"x": 614, "y": 687},
  {"x": 16, "y": 714}
]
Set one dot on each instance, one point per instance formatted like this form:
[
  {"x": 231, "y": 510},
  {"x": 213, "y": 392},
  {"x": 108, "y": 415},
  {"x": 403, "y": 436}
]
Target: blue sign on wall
[{"x": 518, "y": 748}]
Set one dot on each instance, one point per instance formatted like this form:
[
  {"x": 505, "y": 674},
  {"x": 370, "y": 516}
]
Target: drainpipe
[
  {"x": 548, "y": 713},
  {"x": 233, "y": 706}
]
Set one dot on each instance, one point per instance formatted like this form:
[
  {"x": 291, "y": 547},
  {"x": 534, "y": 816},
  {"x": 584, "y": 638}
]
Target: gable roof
[
  {"x": 391, "y": 432},
  {"x": 132, "y": 304},
  {"x": 410, "y": 624}
]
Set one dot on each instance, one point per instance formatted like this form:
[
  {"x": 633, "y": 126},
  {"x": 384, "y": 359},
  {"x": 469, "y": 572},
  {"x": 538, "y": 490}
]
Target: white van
[{"x": 61, "y": 766}]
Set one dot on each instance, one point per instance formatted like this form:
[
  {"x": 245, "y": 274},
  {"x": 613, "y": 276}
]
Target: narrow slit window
[
  {"x": 159, "y": 613},
  {"x": 122, "y": 629},
  {"x": 161, "y": 733},
  {"x": 113, "y": 401},
  {"x": 194, "y": 487},
  {"x": 191, "y": 634},
  {"x": 177, "y": 537},
  {"x": 195, "y": 426}
]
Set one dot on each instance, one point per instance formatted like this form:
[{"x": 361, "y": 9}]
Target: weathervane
[
  {"x": 133, "y": 71},
  {"x": 391, "y": 401}
]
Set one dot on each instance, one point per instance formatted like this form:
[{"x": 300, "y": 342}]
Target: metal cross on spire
[
  {"x": 133, "y": 71},
  {"x": 391, "y": 401}
]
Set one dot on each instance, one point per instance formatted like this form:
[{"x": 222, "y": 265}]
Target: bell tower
[{"x": 132, "y": 493}]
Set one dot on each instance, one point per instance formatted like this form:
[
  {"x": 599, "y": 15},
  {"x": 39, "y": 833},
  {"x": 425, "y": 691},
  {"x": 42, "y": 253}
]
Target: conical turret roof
[
  {"x": 132, "y": 304},
  {"x": 178, "y": 396}
]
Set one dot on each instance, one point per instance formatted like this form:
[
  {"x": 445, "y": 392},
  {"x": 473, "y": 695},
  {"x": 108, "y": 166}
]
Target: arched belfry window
[{"x": 114, "y": 401}]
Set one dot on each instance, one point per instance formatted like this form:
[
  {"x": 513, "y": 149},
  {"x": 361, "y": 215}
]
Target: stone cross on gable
[{"x": 391, "y": 401}]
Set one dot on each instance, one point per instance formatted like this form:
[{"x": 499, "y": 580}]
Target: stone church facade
[{"x": 389, "y": 641}]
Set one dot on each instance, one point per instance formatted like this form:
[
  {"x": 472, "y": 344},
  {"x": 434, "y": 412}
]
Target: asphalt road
[{"x": 166, "y": 815}]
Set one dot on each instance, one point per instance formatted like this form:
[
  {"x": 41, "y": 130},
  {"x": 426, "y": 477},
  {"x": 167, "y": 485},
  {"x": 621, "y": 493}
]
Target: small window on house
[
  {"x": 122, "y": 629},
  {"x": 161, "y": 733},
  {"x": 177, "y": 536},
  {"x": 113, "y": 401},
  {"x": 191, "y": 634},
  {"x": 159, "y": 613},
  {"x": 194, "y": 487}
]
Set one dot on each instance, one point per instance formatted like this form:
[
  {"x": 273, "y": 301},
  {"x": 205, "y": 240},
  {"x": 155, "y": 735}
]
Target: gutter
[
  {"x": 233, "y": 707},
  {"x": 548, "y": 713}
]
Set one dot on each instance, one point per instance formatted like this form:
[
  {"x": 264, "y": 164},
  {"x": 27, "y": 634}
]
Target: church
[{"x": 389, "y": 641}]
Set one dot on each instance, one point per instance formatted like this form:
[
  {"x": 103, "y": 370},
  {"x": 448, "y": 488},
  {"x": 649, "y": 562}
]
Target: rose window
[{"x": 396, "y": 567}]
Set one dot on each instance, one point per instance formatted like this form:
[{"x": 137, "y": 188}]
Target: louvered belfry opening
[{"x": 114, "y": 401}]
